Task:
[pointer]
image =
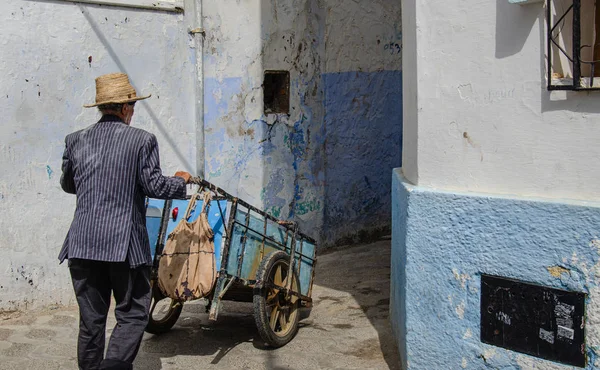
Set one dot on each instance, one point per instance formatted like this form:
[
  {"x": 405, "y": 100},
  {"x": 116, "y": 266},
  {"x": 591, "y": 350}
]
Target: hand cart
[{"x": 259, "y": 258}]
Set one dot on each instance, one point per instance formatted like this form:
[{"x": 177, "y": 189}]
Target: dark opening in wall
[{"x": 276, "y": 87}]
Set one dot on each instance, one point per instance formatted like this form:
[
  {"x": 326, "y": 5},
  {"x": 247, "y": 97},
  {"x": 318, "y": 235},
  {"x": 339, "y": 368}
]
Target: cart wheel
[
  {"x": 276, "y": 317},
  {"x": 164, "y": 312}
]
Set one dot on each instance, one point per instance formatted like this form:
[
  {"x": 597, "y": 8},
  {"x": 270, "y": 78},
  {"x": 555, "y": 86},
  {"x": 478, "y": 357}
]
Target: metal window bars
[{"x": 554, "y": 31}]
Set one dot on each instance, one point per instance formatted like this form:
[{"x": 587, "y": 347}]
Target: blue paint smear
[
  {"x": 363, "y": 125},
  {"x": 218, "y": 146},
  {"x": 214, "y": 109},
  {"x": 49, "y": 171},
  {"x": 297, "y": 142},
  {"x": 298, "y": 148}
]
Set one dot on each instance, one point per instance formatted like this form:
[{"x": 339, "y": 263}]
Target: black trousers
[{"x": 94, "y": 281}]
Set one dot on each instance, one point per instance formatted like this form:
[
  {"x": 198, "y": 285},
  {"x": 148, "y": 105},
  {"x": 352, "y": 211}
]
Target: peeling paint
[
  {"x": 557, "y": 271},
  {"x": 310, "y": 165},
  {"x": 460, "y": 310},
  {"x": 462, "y": 278},
  {"x": 468, "y": 334}
]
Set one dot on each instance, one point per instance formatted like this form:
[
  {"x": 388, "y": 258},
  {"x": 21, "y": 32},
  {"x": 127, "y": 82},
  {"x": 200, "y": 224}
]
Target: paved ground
[{"x": 347, "y": 328}]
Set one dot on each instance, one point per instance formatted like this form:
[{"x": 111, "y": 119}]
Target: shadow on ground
[
  {"x": 347, "y": 328},
  {"x": 363, "y": 272}
]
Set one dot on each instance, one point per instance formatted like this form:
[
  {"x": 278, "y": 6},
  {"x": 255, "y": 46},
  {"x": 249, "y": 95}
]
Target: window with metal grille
[{"x": 573, "y": 44}]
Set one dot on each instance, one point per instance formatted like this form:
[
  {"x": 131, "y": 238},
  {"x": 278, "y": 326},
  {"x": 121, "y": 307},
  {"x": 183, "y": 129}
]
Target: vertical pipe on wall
[
  {"x": 194, "y": 16},
  {"x": 577, "y": 43},
  {"x": 549, "y": 41}
]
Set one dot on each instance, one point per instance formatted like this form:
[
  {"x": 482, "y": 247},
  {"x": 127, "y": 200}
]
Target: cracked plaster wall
[
  {"x": 327, "y": 164},
  {"x": 275, "y": 162},
  {"x": 51, "y": 54}
]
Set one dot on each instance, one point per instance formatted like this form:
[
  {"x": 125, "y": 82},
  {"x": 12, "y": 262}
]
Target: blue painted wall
[
  {"x": 443, "y": 242},
  {"x": 275, "y": 165},
  {"x": 331, "y": 171},
  {"x": 363, "y": 125}
]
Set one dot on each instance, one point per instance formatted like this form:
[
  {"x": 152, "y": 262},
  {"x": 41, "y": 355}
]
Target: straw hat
[{"x": 114, "y": 88}]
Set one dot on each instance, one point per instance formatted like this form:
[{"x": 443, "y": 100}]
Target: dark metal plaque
[{"x": 539, "y": 321}]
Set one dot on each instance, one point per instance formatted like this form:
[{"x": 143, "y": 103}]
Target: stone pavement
[{"x": 347, "y": 328}]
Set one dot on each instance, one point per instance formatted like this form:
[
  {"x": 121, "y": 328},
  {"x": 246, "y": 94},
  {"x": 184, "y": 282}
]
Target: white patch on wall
[
  {"x": 501, "y": 316},
  {"x": 547, "y": 336},
  {"x": 460, "y": 310},
  {"x": 462, "y": 278},
  {"x": 489, "y": 353},
  {"x": 564, "y": 317},
  {"x": 567, "y": 333}
]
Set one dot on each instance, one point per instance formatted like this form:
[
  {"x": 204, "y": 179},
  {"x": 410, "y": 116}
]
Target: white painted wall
[
  {"x": 45, "y": 78},
  {"x": 483, "y": 120},
  {"x": 410, "y": 102}
]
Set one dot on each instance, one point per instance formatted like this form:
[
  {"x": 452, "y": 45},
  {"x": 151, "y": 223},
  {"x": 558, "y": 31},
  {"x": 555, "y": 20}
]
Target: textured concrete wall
[
  {"x": 327, "y": 163},
  {"x": 51, "y": 53},
  {"x": 486, "y": 122},
  {"x": 443, "y": 242}
]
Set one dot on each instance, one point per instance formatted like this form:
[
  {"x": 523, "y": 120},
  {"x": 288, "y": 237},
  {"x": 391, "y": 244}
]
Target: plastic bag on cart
[{"x": 187, "y": 267}]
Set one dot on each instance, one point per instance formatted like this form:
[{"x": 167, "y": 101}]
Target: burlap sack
[{"x": 187, "y": 270}]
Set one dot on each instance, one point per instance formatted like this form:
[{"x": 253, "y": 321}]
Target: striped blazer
[{"x": 111, "y": 167}]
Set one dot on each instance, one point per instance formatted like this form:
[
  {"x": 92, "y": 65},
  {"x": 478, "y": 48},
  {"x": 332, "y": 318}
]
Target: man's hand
[{"x": 184, "y": 175}]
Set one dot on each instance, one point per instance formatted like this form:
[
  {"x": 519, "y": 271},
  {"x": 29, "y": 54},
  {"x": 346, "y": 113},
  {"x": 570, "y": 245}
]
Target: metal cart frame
[{"x": 247, "y": 251}]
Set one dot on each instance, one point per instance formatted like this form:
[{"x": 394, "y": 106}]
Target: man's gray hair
[{"x": 112, "y": 107}]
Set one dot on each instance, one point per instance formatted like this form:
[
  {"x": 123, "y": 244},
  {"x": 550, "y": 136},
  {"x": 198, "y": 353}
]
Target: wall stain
[
  {"x": 473, "y": 144},
  {"x": 469, "y": 140}
]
